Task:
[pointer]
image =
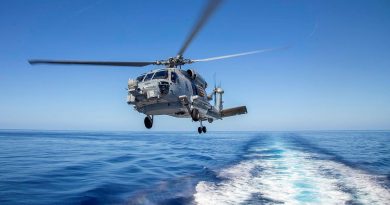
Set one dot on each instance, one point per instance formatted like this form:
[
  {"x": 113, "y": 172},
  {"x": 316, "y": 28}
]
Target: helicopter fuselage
[{"x": 171, "y": 91}]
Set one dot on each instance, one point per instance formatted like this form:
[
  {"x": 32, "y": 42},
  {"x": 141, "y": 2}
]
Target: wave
[{"x": 278, "y": 174}]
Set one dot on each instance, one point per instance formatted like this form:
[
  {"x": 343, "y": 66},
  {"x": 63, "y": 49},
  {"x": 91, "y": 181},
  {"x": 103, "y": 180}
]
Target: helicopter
[{"x": 172, "y": 90}]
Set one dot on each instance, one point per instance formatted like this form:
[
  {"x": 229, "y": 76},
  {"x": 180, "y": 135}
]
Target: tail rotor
[{"x": 215, "y": 88}]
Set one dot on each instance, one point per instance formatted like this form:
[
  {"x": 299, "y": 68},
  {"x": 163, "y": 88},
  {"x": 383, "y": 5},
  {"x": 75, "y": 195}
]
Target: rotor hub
[{"x": 174, "y": 61}]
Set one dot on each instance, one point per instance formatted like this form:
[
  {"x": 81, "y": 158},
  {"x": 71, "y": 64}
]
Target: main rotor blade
[
  {"x": 238, "y": 54},
  {"x": 209, "y": 9},
  {"x": 98, "y": 63}
]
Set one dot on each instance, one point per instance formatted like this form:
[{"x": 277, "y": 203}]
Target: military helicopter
[{"x": 171, "y": 90}]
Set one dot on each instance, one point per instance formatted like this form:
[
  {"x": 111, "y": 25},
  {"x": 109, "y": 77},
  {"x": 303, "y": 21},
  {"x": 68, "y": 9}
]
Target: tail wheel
[
  {"x": 204, "y": 129},
  {"x": 200, "y": 130},
  {"x": 148, "y": 121},
  {"x": 195, "y": 115}
]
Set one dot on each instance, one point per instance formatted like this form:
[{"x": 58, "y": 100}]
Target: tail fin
[{"x": 234, "y": 111}]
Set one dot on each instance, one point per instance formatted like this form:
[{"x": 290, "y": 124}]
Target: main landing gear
[
  {"x": 195, "y": 115},
  {"x": 202, "y": 128},
  {"x": 148, "y": 121}
]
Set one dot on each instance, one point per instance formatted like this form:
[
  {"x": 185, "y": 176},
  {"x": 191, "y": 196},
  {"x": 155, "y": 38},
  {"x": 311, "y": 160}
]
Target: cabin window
[
  {"x": 173, "y": 77},
  {"x": 148, "y": 76},
  {"x": 161, "y": 75},
  {"x": 140, "y": 78}
]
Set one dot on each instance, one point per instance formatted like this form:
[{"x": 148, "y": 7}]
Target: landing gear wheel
[
  {"x": 200, "y": 130},
  {"x": 148, "y": 121},
  {"x": 195, "y": 115},
  {"x": 204, "y": 129}
]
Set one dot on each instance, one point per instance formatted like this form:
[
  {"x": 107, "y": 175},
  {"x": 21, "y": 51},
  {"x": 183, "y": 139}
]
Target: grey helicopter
[{"x": 172, "y": 90}]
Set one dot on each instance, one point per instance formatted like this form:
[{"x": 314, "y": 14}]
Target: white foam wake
[{"x": 291, "y": 177}]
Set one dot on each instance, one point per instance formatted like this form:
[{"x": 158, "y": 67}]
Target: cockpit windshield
[
  {"x": 148, "y": 76},
  {"x": 161, "y": 75},
  {"x": 140, "y": 78}
]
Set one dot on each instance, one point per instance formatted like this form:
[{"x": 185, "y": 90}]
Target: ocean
[{"x": 80, "y": 167}]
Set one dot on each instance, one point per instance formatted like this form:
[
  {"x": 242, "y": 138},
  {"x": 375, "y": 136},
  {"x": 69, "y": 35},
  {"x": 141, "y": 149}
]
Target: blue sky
[{"x": 335, "y": 75}]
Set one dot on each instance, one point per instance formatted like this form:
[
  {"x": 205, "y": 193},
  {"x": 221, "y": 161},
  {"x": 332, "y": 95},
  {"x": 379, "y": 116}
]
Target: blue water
[{"x": 54, "y": 167}]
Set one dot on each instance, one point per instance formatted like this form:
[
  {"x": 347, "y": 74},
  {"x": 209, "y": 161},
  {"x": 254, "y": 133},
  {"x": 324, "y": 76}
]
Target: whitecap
[{"x": 294, "y": 177}]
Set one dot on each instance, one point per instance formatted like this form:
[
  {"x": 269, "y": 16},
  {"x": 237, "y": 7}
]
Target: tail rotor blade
[
  {"x": 215, "y": 79},
  {"x": 215, "y": 88}
]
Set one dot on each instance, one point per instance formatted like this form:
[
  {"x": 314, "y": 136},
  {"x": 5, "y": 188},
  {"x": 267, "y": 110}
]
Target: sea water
[{"x": 63, "y": 167}]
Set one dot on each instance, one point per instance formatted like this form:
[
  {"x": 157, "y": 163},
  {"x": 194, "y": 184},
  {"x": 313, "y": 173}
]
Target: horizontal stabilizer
[{"x": 234, "y": 111}]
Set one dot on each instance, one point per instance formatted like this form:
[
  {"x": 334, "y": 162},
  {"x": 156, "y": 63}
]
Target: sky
[{"x": 334, "y": 76}]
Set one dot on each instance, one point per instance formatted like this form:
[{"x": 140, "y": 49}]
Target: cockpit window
[
  {"x": 148, "y": 76},
  {"x": 140, "y": 78},
  {"x": 161, "y": 75}
]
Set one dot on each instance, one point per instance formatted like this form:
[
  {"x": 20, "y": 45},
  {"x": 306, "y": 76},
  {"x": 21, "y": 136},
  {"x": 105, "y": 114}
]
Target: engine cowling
[
  {"x": 191, "y": 73},
  {"x": 196, "y": 77}
]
